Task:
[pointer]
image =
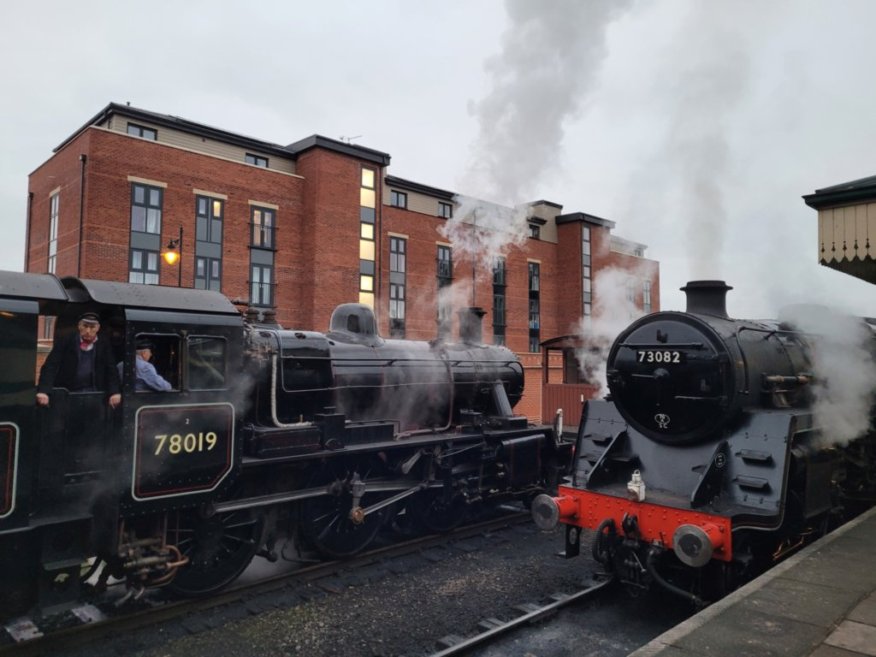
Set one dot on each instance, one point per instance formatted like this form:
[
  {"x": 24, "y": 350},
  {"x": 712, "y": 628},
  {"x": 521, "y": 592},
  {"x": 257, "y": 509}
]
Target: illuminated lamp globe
[{"x": 171, "y": 257}]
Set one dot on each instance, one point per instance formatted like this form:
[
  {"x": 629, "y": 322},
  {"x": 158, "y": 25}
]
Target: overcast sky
[{"x": 696, "y": 126}]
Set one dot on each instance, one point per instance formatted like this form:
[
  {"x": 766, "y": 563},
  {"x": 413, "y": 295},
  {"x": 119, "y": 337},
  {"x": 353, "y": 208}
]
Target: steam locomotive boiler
[
  {"x": 271, "y": 441},
  {"x": 707, "y": 462}
]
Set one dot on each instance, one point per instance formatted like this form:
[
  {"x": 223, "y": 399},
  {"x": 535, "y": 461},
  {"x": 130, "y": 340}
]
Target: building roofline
[
  {"x": 411, "y": 186},
  {"x": 178, "y": 123},
  {"x": 318, "y": 141},
  {"x": 544, "y": 202},
  {"x": 843, "y": 194},
  {"x": 572, "y": 217}
]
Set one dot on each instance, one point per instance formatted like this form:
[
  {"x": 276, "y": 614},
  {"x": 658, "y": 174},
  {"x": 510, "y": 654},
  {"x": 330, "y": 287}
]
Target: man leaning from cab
[{"x": 80, "y": 362}]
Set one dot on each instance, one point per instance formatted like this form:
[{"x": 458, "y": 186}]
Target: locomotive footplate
[{"x": 693, "y": 535}]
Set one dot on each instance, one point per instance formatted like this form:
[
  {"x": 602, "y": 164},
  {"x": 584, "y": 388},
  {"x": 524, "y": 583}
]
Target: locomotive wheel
[
  {"x": 219, "y": 548},
  {"x": 430, "y": 511},
  {"x": 326, "y": 523}
]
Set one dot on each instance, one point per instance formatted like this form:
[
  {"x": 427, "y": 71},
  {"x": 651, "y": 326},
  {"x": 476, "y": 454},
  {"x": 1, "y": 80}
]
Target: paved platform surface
[{"x": 819, "y": 603}]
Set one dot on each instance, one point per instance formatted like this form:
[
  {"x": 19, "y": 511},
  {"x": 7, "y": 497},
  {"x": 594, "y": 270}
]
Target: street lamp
[{"x": 173, "y": 254}]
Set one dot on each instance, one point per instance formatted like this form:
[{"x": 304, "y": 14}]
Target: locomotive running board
[{"x": 377, "y": 486}]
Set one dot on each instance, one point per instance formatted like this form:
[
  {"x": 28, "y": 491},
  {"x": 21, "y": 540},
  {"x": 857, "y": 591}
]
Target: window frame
[
  {"x": 137, "y": 130},
  {"x": 398, "y": 199},
  {"x": 256, "y": 160}
]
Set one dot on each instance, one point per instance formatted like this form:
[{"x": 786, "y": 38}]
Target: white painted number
[
  {"x": 659, "y": 356},
  {"x": 189, "y": 443}
]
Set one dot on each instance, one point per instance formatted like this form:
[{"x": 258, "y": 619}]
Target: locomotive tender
[
  {"x": 706, "y": 463},
  {"x": 268, "y": 435}
]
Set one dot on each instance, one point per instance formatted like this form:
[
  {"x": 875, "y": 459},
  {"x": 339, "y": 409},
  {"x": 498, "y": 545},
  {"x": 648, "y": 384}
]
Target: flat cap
[
  {"x": 144, "y": 344},
  {"x": 90, "y": 318}
]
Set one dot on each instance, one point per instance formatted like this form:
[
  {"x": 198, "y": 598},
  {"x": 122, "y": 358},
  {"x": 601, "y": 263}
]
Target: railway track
[
  {"x": 489, "y": 629},
  {"x": 89, "y": 623}
]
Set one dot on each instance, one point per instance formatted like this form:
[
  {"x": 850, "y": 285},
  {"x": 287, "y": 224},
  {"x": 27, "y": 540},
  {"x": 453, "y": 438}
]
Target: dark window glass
[
  {"x": 209, "y": 213},
  {"x": 445, "y": 210},
  {"x": 206, "y": 362},
  {"x": 499, "y": 273},
  {"x": 398, "y": 199},
  {"x": 262, "y": 227},
  {"x": 445, "y": 262},
  {"x": 142, "y": 131},
  {"x": 534, "y": 231},
  {"x": 146, "y": 202},
  {"x": 534, "y": 275},
  {"x": 208, "y": 274},
  {"x": 143, "y": 267},
  {"x": 257, "y": 160},
  {"x": 498, "y": 310},
  {"x": 261, "y": 285},
  {"x": 397, "y": 248}
]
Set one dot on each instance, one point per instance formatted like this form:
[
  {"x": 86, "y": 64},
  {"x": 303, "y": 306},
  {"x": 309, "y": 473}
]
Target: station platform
[{"x": 820, "y": 603}]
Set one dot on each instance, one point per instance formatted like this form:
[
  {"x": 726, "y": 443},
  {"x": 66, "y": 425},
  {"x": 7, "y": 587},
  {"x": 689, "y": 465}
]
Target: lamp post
[{"x": 173, "y": 255}]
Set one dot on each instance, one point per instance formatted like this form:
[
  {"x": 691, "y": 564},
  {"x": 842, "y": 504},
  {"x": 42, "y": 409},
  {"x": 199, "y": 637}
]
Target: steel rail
[{"x": 533, "y": 613}]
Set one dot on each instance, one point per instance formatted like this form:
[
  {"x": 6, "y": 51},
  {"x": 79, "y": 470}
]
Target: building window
[
  {"x": 143, "y": 267},
  {"x": 499, "y": 301},
  {"x": 534, "y": 306},
  {"x": 534, "y": 231},
  {"x": 398, "y": 199},
  {"x": 397, "y": 273},
  {"x": 445, "y": 210},
  {"x": 49, "y": 327},
  {"x": 445, "y": 264},
  {"x": 631, "y": 292},
  {"x": 146, "y": 203},
  {"x": 646, "y": 296},
  {"x": 534, "y": 276},
  {"x": 208, "y": 273},
  {"x": 367, "y": 237},
  {"x": 586, "y": 278},
  {"x": 499, "y": 272},
  {"x": 445, "y": 279},
  {"x": 209, "y": 213},
  {"x": 256, "y": 160},
  {"x": 142, "y": 131},
  {"x": 262, "y": 221},
  {"x": 54, "y": 207},
  {"x": 261, "y": 285},
  {"x": 209, "y": 219}
]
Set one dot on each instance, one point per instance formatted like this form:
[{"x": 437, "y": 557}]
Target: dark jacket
[{"x": 59, "y": 370}]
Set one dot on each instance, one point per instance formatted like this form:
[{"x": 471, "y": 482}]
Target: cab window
[{"x": 206, "y": 362}]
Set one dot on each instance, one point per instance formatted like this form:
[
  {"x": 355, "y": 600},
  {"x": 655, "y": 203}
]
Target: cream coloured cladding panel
[
  {"x": 416, "y": 202},
  {"x": 198, "y": 144},
  {"x": 847, "y": 232}
]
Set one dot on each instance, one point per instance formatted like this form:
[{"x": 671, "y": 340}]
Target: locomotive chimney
[
  {"x": 471, "y": 325},
  {"x": 707, "y": 298}
]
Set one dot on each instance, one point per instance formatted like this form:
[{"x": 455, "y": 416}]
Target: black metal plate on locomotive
[
  {"x": 181, "y": 450},
  {"x": 8, "y": 466}
]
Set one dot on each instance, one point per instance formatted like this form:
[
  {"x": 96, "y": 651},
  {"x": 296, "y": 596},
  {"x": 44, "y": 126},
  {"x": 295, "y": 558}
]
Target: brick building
[{"x": 299, "y": 229}]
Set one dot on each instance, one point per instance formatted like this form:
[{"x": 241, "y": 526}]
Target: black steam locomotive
[
  {"x": 267, "y": 435},
  {"x": 709, "y": 462}
]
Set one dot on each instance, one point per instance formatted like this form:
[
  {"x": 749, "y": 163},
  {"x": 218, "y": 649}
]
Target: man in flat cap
[
  {"x": 81, "y": 363},
  {"x": 147, "y": 377}
]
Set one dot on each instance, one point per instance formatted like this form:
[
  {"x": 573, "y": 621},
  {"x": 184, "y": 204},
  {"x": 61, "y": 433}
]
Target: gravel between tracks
[{"x": 391, "y": 608}]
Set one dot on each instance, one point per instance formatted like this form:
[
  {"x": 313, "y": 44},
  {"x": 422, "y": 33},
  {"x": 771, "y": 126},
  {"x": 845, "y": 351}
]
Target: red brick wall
[{"x": 317, "y": 258}]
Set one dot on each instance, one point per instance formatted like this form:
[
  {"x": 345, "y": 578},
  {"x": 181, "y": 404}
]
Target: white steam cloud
[
  {"x": 550, "y": 56},
  {"x": 613, "y": 310},
  {"x": 844, "y": 388}
]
